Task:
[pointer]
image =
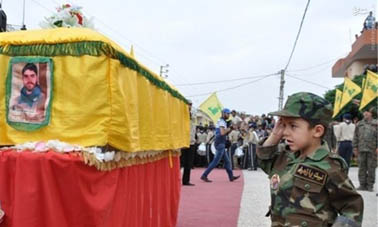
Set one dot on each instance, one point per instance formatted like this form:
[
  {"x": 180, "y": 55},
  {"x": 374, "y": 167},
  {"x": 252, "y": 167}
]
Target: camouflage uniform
[
  {"x": 310, "y": 191},
  {"x": 365, "y": 141},
  {"x": 330, "y": 137}
]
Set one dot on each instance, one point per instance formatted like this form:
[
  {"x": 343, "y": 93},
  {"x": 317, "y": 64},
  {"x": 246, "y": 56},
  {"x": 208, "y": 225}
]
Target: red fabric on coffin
[{"x": 53, "y": 189}]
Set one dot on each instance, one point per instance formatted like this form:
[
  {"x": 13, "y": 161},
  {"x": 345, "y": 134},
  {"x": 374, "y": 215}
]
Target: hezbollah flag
[
  {"x": 212, "y": 107},
  {"x": 370, "y": 89},
  {"x": 349, "y": 92},
  {"x": 336, "y": 105}
]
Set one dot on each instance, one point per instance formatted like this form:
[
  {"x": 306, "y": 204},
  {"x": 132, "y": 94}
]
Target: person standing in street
[
  {"x": 345, "y": 136},
  {"x": 188, "y": 153},
  {"x": 221, "y": 132},
  {"x": 330, "y": 137},
  {"x": 247, "y": 159},
  {"x": 336, "y": 131},
  {"x": 234, "y": 138},
  {"x": 366, "y": 149},
  {"x": 209, "y": 141},
  {"x": 236, "y": 120},
  {"x": 253, "y": 141},
  {"x": 200, "y": 155}
]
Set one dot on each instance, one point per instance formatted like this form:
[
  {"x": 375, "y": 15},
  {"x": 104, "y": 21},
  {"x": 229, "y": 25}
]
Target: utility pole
[
  {"x": 282, "y": 83},
  {"x": 164, "y": 70}
]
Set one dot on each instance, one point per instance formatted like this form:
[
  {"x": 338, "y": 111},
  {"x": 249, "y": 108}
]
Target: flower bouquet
[{"x": 67, "y": 16}]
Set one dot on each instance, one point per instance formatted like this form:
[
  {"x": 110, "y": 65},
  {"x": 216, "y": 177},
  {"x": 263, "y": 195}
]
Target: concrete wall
[{"x": 357, "y": 67}]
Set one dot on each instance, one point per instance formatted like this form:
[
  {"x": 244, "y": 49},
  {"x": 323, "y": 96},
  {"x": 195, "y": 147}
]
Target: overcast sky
[{"x": 214, "y": 40}]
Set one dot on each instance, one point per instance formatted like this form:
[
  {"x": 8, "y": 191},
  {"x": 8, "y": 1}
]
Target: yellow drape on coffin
[{"x": 99, "y": 101}]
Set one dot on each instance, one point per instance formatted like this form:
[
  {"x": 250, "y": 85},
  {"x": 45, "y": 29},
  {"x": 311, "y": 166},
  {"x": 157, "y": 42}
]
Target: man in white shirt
[
  {"x": 236, "y": 120},
  {"x": 344, "y": 135},
  {"x": 209, "y": 140},
  {"x": 233, "y": 137},
  {"x": 201, "y": 136},
  {"x": 253, "y": 141},
  {"x": 200, "y": 154}
]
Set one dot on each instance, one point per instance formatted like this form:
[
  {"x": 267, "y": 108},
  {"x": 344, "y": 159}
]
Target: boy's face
[{"x": 297, "y": 133}]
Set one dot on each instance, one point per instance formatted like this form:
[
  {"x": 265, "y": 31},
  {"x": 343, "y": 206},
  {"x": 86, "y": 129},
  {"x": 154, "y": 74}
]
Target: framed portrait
[{"x": 28, "y": 96}]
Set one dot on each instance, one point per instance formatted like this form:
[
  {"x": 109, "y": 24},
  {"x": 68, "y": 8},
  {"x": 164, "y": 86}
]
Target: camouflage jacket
[
  {"x": 311, "y": 191},
  {"x": 365, "y": 136},
  {"x": 330, "y": 137}
]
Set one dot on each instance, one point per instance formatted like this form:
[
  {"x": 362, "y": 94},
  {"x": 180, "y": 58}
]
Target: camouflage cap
[{"x": 307, "y": 106}]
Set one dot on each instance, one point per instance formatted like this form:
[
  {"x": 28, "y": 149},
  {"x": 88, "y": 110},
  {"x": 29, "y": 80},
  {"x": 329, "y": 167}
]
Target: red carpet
[{"x": 211, "y": 204}]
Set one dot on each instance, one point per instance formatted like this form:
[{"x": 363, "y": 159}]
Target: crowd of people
[{"x": 240, "y": 142}]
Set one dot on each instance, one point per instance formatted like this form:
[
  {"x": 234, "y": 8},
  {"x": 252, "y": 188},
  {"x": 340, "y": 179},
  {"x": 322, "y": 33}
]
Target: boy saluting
[{"x": 309, "y": 184}]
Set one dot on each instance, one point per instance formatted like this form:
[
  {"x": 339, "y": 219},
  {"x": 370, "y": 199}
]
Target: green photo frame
[{"x": 29, "y": 92}]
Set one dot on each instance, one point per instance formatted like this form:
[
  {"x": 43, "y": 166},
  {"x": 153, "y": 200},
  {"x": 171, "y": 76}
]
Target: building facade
[{"x": 364, "y": 52}]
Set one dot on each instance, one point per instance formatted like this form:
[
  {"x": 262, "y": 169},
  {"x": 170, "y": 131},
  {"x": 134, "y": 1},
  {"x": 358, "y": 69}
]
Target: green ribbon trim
[
  {"x": 21, "y": 125},
  {"x": 92, "y": 48}
]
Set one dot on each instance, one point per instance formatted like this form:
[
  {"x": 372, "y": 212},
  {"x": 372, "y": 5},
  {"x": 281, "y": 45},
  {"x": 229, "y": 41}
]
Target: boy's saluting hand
[{"x": 276, "y": 135}]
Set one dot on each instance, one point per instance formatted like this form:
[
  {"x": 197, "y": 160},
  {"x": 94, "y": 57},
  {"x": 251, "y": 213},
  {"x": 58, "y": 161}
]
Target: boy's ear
[{"x": 319, "y": 131}]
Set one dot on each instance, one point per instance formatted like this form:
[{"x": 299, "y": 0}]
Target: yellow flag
[
  {"x": 212, "y": 107},
  {"x": 336, "y": 106},
  {"x": 370, "y": 90},
  {"x": 349, "y": 92}
]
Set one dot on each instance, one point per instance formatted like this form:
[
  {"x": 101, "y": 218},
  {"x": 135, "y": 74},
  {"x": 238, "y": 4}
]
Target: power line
[
  {"x": 223, "y": 81},
  {"x": 326, "y": 64},
  {"x": 317, "y": 65},
  {"x": 149, "y": 56},
  {"x": 177, "y": 76},
  {"x": 299, "y": 32},
  {"x": 307, "y": 81},
  {"x": 314, "y": 73},
  {"x": 234, "y": 87},
  {"x": 57, "y": 3},
  {"x": 44, "y": 7},
  {"x": 153, "y": 59},
  {"x": 282, "y": 81},
  {"x": 158, "y": 61}
]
